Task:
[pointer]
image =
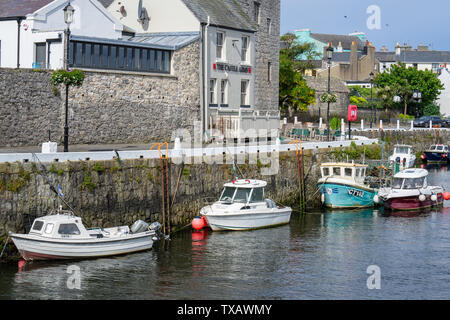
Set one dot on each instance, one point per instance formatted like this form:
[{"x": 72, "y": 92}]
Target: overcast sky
[{"x": 410, "y": 21}]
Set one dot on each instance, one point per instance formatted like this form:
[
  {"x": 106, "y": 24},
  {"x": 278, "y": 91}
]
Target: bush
[
  {"x": 431, "y": 110},
  {"x": 405, "y": 117},
  {"x": 71, "y": 78}
]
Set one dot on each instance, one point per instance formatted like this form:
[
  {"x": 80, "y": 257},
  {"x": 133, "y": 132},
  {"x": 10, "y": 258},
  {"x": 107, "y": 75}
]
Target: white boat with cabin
[
  {"x": 404, "y": 155},
  {"x": 62, "y": 235},
  {"x": 242, "y": 206}
]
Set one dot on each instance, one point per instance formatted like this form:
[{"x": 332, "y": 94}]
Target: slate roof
[
  {"x": 414, "y": 56},
  {"x": 343, "y": 56},
  {"x": 223, "y": 13},
  {"x": 106, "y": 3},
  {"x": 346, "y": 41},
  {"x": 20, "y": 8}
]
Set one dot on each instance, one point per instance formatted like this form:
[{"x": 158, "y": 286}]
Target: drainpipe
[
  {"x": 205, "y": 78},
  {"x": 19, "y": 21}
]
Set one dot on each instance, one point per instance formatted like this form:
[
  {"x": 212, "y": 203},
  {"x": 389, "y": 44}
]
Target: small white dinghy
[
  {"x": 242, "y": 206},
  {"x": 61, "y": 235}
]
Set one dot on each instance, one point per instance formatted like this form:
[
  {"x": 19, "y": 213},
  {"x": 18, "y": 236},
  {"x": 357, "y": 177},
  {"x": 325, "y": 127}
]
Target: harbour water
[{"x": 320, "y": 255}]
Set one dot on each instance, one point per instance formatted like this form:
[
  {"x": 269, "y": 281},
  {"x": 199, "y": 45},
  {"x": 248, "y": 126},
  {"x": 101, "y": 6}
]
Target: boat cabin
[
  {"x": 348, "y": 171},
  {"x": 403, "y": 149},
  {"x": 410, "y": 179},
  {"x": 243, "y": 191},
  {"x": 64, "y": 225},
  {"x": 439, "y": 148}
]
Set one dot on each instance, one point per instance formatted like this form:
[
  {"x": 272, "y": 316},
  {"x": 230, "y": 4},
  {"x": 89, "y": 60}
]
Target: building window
[
  {"x": 39, "y": 58},
  {"x": 223, "y": 93},
  {"x": 212, "y": 93},
  {"x": 244, "y": 93},
  {"x": 219, "y": 44},
  {"x": 435, "y": 67},
  {"x": 117, "y": 57},
  {"x": 269, "y": 26},
  {"x": 256, "y": 12},
  {"x": 244, "y": 49},
  {"x": 269, "y": 71}
]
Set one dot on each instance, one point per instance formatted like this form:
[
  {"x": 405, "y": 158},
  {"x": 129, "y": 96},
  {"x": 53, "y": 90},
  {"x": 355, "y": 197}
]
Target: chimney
[
  {"x": 371, "y": 54},
  {"x": 354, "y": 61},
  {"x": 398, "y": 49},
  {"x": 384, "y": 49},
  {"x": 339, "y": 47},
  {"x": 421, "y": 47}
]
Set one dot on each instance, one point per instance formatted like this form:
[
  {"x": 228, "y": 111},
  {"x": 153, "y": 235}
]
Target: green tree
[
  {"x": 294, "y": 93},
  {"x": 293, "y": 50},
  {"x": 403, "y": 81}
]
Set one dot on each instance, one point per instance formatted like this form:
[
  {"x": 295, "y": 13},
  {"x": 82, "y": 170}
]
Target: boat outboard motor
[
  {"x": 139, "y": 226},
  {"x": 155, "y": 226}
]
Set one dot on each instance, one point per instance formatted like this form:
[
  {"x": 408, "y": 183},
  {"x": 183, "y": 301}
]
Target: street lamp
[
  {"x": 417, "y": 97},
  {"x": 68, "y": 19},
  {"x": 329, "y": 57},
  {"x": 371, "y": 75}
]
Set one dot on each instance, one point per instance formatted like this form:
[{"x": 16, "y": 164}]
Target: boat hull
[
  {"x": 33, "y": 248},
  {"x": 412, "y": 203},
  {"x": 341, "y": 196},
  {"x": 248, "y": 221},
  {"x": 436, "y": 156}
]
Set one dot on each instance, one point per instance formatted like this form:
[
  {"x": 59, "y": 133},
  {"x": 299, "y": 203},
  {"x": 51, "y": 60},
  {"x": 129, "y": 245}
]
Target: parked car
[
  {"x": 425, "y": 121},
  {"x": 446, "y": 122}
]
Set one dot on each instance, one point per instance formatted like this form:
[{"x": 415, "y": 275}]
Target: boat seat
[{"x": 270, "y": 203}]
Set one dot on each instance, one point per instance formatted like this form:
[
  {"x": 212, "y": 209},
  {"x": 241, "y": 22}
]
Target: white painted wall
[
  {"x": 91, "y": 19},
  {"x": 8, "y": 38},
  {"x": 444, "y": 98},
  {"x": 165, "y": 16},
  {"x": 232, "y": 56}
]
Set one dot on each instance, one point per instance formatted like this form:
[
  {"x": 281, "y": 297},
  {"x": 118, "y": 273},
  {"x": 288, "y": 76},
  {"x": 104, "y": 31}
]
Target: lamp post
[
  {"x": 371, "y": 75},
  {"x": 417, "y": 97},
  {"x": 329, "y": 57},
  {"x": 68, "y": 19}
]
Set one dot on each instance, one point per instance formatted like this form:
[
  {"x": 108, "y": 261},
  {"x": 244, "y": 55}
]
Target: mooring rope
[{"x": 3, "y": 250}]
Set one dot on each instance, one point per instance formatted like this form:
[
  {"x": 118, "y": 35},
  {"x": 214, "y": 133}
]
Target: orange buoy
[
  {"x": 447, "y": 195},
  {"x": 198, "y": 223}
]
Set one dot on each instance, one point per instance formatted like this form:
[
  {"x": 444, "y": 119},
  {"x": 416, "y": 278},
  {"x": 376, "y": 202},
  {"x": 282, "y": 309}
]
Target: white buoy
[
  {"x": 422, "y": 197},
  {"x": 433, "y": 198},
  {"x": 376, "y": 199}
]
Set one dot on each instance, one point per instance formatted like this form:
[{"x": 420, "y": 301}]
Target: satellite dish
[{"x": 140, "y": 9}]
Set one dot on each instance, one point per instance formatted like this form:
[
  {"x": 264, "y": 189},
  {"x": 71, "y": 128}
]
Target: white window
[
  {"x": 244, "y": 49},
  {"x": 244, "y": 93},
  {"x": 49, "y": 228},
  {"x": 212, "y": 91},
  {"x": 223, "y": 92},
  {"x": 219, "y": 44}
]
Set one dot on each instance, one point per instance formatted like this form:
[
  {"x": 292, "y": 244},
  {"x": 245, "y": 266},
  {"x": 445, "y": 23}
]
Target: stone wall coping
[
  {"x": 178, "y": 153},
  {"x": 134, "y": 73}
]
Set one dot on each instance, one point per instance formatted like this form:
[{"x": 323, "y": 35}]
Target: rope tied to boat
[{"x": 4, "y": 247}]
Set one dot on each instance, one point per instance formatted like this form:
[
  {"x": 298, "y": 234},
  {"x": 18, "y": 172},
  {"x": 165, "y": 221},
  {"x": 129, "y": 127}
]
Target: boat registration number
[{"x": 356, "y": 193}]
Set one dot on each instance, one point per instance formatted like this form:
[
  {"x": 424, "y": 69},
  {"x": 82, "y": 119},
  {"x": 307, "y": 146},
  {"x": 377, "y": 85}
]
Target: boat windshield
[
  {"x": 242, "y": 195},
  {"x": 408, "y": 183},
  {"x": 227, "y": 194},
  {"x": 439, "y": 148},
  {"x": 402, "y": 150}
]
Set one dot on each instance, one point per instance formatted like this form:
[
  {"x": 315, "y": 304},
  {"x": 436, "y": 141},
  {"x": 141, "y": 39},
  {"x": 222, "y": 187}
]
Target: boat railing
[{"x": 62, "y": 212}]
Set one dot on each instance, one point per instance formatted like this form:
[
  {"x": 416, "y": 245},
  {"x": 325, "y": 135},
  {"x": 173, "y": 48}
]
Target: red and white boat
[{"x": 410, "y": 191}]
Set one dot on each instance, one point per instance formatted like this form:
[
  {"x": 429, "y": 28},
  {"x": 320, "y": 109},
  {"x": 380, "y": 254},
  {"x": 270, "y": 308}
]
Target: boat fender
[
  {"x": 376, "y": 199},
  {"x": 447, "y": 195},
  {"x": 433, "y": 197},
  {"x": 422, "y": 197},
  {"x": 322, "y": 198}
]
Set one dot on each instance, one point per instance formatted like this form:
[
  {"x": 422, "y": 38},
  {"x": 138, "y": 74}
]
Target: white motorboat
[
  {"x": 242, "y": 206},
  {"x": 404, "y": 155},
  {"x": 410, "y": 191},
  {"x": 61, "y": 235}
]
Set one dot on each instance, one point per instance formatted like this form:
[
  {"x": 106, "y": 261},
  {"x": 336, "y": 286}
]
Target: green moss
[
  {"x": 98, "y": 168},
  {"x": 149, "y": 176},
  {"x": 87, "y": 182},
  {"x": 52, "y": 168},
  {"x": 186, "y": 171}
]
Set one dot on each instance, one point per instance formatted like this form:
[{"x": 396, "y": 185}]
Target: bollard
[
  {"x": 285, "y": 120},
  {"x": 412, "y": 125},
  {"x": 295, "y": 120},
  {"x": 381, "y": 124},
  {"x": 431, "y": 124},
  {"x": 362, "y": 124},
  {"x": 320, "y": 123},
  {"x": 398, "y": 124}
]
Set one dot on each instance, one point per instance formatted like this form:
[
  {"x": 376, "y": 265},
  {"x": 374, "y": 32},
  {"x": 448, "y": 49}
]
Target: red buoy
[
  {"x": 447, "y": 195},
  {"x": 198, "y": 223},
  {"x": 423, "y": 156}
]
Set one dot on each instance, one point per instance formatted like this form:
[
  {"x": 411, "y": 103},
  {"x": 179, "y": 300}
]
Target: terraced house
[{"x": 154, "y": 66}]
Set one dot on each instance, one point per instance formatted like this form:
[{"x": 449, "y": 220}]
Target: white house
[{"x": 444, "y": 98}]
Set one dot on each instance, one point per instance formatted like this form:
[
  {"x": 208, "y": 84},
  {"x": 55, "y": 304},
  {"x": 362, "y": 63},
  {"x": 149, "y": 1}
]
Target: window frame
[
  {"x": 245, "y": 94},
  {"x": 220, "y": 47},
  {"x": 244, "y": 50},
  {"x": 224, "y": 93},
  {"x": 212, "y": 94}
]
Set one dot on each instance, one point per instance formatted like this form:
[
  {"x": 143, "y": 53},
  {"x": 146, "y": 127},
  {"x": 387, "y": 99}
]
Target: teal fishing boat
[{"x": 342, "y": 186}]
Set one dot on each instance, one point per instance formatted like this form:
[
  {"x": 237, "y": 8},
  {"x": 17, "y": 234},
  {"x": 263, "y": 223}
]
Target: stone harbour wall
[
  {"x": 110, "y": 107},
  {"x": 109, "y": 193}
]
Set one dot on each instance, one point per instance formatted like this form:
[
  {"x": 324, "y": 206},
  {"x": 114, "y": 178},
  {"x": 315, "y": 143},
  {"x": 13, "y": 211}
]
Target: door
[{"x": 40, "y": 58}]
